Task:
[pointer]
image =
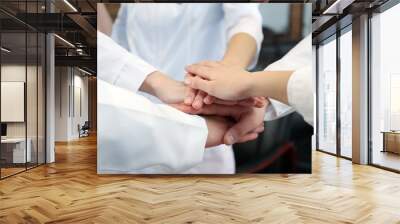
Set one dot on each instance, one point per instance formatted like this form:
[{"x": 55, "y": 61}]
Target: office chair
[{"x": 84, "y": 130}]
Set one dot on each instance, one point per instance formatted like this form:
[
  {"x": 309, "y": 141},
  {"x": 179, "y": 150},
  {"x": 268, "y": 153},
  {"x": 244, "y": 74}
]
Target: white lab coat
[
  {"x": 171, "y": 36},
  {"x": 136, "y": 135},
  {"x": 300, "y": 88}
]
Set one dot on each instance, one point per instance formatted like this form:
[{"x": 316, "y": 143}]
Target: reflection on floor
[
  {"x": 70, "y": 191},
  {"x": 387, "y": 159},
  {"x": 10, "y": 171}
]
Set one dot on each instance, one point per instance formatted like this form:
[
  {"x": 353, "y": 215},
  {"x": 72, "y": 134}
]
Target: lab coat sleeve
[
  {"x": 300, "y": 93},
  {"x": 117, "y": 66},
  {"x": 244, "y": 18},
  {"x": 300, "y": 87},
  {"x": 137, "y": 136}
]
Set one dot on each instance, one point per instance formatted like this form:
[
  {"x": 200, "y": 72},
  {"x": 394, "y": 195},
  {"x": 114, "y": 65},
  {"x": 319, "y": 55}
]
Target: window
[
  {"x": 327, "y": 96},
  {"x": 346, "y": 94},
  {"x": 385, "y": 89}
]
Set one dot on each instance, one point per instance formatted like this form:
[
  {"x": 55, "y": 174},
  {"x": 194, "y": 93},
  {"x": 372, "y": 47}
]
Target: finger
[
  {"x": 190, "y": 95},
  {"x": 209, "y": 99},
  {"x": 199, "y": 70},
  {"x": 249, "y": 102},
  {"x": 225, "y": 102},
  {"x": 185, "y": 108},
  {"x": 222, "y": 110},
  {"x": 199, "y": 83},
  {"x": 260, "y": 102},
  {"x": 239, "y": 129},
  {"x": 198, "y": 100},
  {"x": 259, "y": 129},
  {"x": 248, "y": 137}
]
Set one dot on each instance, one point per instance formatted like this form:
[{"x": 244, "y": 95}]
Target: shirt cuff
[{"x": 133, "y": 73}]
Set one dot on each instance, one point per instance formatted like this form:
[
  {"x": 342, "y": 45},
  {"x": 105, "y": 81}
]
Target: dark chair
[
  {"x": 84, "y": 130},
  {"x": 284, "y": 147}
]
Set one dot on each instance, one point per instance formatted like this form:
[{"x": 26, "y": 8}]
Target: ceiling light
[
  {"x": 337, "y": 7},
  {"x": 65, "y": 41},
  {"x": 5, "y": 50},
  {"x": 84, "y": 71},
  {"x": 70, "y": 5}
]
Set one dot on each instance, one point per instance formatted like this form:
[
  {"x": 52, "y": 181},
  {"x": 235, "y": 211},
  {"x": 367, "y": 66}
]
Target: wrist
[
  {"x": 151, "y": 83},
  {"x": 249, "y": 85}
]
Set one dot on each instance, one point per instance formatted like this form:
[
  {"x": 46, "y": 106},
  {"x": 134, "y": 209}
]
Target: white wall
[
  {"x": 12, "y": 73},
  {"x": 33, "y": 126},
  {"x": 69, "y": 85}
]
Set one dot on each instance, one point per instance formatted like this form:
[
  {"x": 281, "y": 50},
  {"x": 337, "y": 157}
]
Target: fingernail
[
  {"x": 187, "y": 81},
  {"x": 230, "y": 139}
]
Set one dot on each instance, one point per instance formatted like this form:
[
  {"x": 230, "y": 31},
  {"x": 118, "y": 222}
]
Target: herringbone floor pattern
[{"x": 70, "y": 191}]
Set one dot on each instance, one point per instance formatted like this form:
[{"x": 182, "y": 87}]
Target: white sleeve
[
  {"x": 117, "y": 66},
  {"x": 300, "y": 88},
  {"x": 300, "y": 93},
  {"x": 244, "y": 18},
  {"x": 138, "y": 136}
]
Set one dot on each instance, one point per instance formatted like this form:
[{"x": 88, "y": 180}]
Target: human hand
[
  {"x": 217, "y": 127},
  {"x": 249, "y": 120},
  {"x": 198, "y": 98},
  {"x": 166, "y": 89},
  {"x": 219, "y": 80},
  {"x": 171, "y": 91}
]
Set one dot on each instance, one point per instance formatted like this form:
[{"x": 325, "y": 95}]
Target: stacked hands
[{"x": 231, "y": 115}]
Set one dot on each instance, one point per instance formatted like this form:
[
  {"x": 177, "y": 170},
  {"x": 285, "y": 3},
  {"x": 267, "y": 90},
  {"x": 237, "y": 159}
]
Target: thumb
[{"x": 238, "y": 130}]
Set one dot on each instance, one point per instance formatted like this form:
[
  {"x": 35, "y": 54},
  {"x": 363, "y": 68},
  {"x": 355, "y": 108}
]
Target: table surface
[{"x": 390, "y": 132}]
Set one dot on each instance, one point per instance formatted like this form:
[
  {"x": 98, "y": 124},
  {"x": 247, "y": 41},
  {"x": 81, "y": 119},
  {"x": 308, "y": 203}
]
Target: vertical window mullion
[
  {"x": 338, "y": 80},
  {"x": 26, "y": 87},
  {"x": 317, "y": 96}
]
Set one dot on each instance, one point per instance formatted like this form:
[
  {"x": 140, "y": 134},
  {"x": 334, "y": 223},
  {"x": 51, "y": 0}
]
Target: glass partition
[
  {"x": 41, "y": 107},
  {"x": 31, "y": 99},
  {"x": 22, "y": 91},
  {"x": 14, "y": 153}
]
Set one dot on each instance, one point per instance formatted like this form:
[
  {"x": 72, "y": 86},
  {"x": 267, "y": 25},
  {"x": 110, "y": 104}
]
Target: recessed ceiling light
[
  {"x": 65, "y": 41},
  {"x": 5, "y": 50},
  {"x": 84, "y": 71},
  {"x": 70, "y": 5}
]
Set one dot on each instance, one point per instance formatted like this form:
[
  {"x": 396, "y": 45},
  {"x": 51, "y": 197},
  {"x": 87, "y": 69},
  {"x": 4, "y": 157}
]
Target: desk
[
  {"x": 391, "y": 141},
  {"x": 15, "y": 148}
]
